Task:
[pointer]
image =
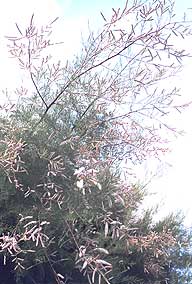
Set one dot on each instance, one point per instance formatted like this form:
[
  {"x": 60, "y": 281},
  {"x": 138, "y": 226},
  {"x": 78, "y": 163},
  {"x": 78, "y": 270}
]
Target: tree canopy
[{"x": 67, "y": 216}]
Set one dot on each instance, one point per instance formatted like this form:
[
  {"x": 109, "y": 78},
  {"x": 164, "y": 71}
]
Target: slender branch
[
  {"x": 31, "y": 74},
  {"x": 75, "y": 241},
  {"x": 73, "y": 79},
  {"x": 37, "y": 90},
  {"x": 83, "y": 73}
]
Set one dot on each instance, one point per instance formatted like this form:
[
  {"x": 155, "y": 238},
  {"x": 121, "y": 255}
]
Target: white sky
[{"x": 175, "y": 187}]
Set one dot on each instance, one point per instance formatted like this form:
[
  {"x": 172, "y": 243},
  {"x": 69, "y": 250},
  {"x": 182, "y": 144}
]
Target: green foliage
[{"x": 97, "y": 219}]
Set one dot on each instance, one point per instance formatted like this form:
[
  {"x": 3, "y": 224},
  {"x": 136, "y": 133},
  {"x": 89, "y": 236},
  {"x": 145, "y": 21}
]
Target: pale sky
[{"x": 175, "y": 187}]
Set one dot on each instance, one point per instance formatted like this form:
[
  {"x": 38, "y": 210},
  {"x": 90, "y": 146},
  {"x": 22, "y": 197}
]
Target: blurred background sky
[{"x": 174, "y": 188}]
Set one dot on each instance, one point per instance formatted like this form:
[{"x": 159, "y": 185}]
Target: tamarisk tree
[{"x": 63, "y": 203}]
